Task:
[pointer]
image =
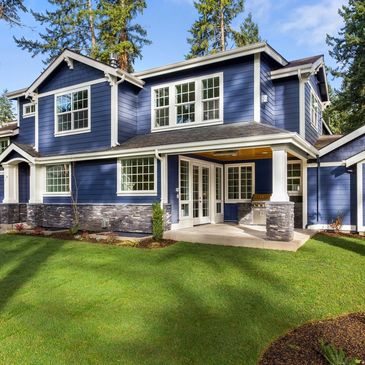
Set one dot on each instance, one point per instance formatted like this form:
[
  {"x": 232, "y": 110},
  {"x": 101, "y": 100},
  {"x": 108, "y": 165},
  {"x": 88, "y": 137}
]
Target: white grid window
[
  {"x": 294, "y": 178},
  {"x": 72, "y": 111},
  {"x": 185, "y": 103},
  {"x": 240, "y": 182},
  {"x": 28, "y": 110},
  {"x": 162, "y": 107},
  {"x": 210, "y": 89},
  {"x": 4, "y": 143},
  {"x": 138, "y": 175},
  {"x": 314, "y": 110},
  {"x": 184, "y": 188},
  {"x": 58, "y": 178}
]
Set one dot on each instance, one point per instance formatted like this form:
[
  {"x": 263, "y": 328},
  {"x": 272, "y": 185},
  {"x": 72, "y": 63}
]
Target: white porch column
[
  {"x": 36, "y": 184},
  {"x": 279, "y": 175},
  {"x": 360, "y": 207},
  {"x": 11, "y": 190}
]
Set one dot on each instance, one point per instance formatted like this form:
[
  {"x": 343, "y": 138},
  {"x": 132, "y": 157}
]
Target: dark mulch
[
  {"x": 342, "y": 234},
  {"x": 301, "y": 346},
  {"x": 151, "y": 243}
]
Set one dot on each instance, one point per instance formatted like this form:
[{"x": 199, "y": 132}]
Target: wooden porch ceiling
[{"x": 239, "y": 154}]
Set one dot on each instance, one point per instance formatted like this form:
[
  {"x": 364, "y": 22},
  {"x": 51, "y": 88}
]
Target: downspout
[
  {"x": 318, "y": 188},
  {"x": 162, "y": 175}
]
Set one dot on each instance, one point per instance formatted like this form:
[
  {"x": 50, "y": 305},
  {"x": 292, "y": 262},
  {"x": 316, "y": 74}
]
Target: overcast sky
[{"x": 294, "y": 28}]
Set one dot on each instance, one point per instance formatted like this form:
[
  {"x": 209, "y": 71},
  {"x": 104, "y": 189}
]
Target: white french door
[{"x": 201, "y": 194}]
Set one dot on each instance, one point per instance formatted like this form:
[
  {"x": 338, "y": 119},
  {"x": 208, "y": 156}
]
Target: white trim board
[
  {"x": 356, "y": 159},
  {"x": 326, "y": 164},
  {"x": 345, "y": 227},
  {"x": 257, "y": 87},
  {"x": 343, "y": 140},
  {"x": 360, "y": 197}
]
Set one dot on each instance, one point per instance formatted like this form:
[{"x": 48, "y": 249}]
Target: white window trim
[
  {"x": 300, "y": 192},
  {"x": 28, "y": 115},
  {"x": 320, "y": 108},
  {"x": 73, "y": 131},
  {"x": 58, "y": 194},
  {"x": 135, "y": 193},
  {"x": 226, "y": 200},
  {"x": 198, "y": 104}
]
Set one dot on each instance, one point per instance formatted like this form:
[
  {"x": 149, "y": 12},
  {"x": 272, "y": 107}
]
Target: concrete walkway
[{"x": 226, "y": 234}]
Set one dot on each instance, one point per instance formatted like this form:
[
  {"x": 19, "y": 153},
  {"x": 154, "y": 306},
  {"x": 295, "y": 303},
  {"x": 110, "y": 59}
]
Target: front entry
[{"x": 201, "y": 196}]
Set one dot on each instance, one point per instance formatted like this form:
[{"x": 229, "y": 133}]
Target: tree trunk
[
  {"x": 92, "y": 29},
  {"x": 123, "y": 56},
  {"x": 222, "y": 30}
]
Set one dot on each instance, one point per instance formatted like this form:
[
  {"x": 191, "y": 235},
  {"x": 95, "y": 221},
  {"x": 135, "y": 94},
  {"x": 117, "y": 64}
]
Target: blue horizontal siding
[
  {"x": 98, "y": 139},
  {"x": 337, "y": 195},
  {"x": 96, "y": 182},
  {"x": 1, "y": 188},
  {"x": 237, "y": 90},
  {"x": 287, "y": 104},
  {"x": 127, "y": 113},
  {"x": 26, "y": 126},
  {"x": 23, "y": 176},
  {"x": 346, "y": 151},
  {"x": 267, "y": 88},
  {"x": 65, "y": 77}
]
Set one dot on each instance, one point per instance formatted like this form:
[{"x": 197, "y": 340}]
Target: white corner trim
[
  {"x": 355, "y": 159},
  {"x": 301, "y": 106},
  {"x": 343, "y": 140},
  {"x": 114, "y": 114},
  {"x": 360, "y": 197},
  {"x": 257, "y": 88}
]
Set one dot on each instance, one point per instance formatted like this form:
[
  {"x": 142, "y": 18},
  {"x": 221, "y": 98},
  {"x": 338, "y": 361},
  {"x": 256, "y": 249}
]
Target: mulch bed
[
  {"x": 151, "y": 243},
  {"x": 341, "y": 234},
  {"x": 301, "y": 346}
]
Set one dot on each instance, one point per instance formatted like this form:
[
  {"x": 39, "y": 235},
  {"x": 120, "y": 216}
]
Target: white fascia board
[
  {"x": 16, "y": 93},
  {"x": 67, "y": 55},
  {"x": 218, "y": 57},
  {"x": 343, "y": 140},
  {"x": 326, "y": 164},
  {"x": 291, "y": 71},
  {"x": 355, "y": 159},
  {"x": 202, "y": 146},
  {"x": 17, "y": 149},
  {"x": 9, "y": 133}
]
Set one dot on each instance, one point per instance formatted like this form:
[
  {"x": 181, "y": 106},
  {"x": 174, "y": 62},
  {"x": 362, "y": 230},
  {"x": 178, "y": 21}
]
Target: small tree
[
  {"x": 74, "y": 201},
  {"x": 6, "y": 110},
  {"x": 157, "y": 221}
]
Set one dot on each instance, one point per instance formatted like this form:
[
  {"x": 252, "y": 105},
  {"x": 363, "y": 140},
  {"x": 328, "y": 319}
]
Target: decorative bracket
[
  {"x": 70, "y": 62},
  {"x": 33, "y": 96},
  {"x": 110, "y": 78}
]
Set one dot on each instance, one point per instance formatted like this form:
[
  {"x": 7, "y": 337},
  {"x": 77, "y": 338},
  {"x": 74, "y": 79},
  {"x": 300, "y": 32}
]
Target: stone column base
[{"x": 280, "y": 221}]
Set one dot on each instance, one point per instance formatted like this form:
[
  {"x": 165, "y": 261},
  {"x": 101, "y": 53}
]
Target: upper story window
[
  {"x": 314, "y": 110},
  {"x": 28, "y": 110},
  {"x": 294, "y": 178},
  {"x": 72, "y": 112},
  {"x": 4, "y": 143},
  {"x": 58, "y": 179},
  {"x": 137, "y": 176},
  {"x": 240, "y": 182},
  {"x": 188, "y": 103}
]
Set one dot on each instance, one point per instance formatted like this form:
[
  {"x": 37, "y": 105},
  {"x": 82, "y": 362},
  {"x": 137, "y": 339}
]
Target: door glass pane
[
  {"x": 184, "y": 188},
  {"x": 218, "y": 189},
  {"x": 195, "y": 191},
  {"x": 205, "y": 191}
]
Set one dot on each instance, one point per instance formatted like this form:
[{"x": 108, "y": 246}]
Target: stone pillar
[
  {"x": 280, "y": 221},
  {"x": 11, "y": 191},
  {"x": 280, "y": 211}
]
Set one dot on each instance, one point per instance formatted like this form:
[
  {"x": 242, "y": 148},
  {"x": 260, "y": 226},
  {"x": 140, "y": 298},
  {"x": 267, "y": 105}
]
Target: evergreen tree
[
  {"x": 211, "y": 32},
  {"x": 9, "y": 11},
  {"x": 69, "y": 25},
  {"x": 347, "y": 111},
  {"x": 6, "y": 110},
  {"x": 248, "y": 33},
  {"x": 119, "y": 34}
]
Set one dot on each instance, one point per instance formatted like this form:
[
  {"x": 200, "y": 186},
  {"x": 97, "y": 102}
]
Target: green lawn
[{"x": 79, "y": 303}]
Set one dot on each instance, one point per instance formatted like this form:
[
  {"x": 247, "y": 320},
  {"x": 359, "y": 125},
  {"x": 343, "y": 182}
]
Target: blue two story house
[{"x": 237, "y": 136}]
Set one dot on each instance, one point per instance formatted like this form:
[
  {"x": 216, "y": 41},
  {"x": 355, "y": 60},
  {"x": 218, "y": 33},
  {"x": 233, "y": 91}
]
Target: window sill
[
  {"x": 69, "y": 133},
  {"x": 28, "y": 115},
  {"x": 185, "y": 126},
  {"x": 137, "y": 193},
  {"x": 230, "y": 201},
  {"x": 56, "y": 194},
  {"x": 295, "y": 193}
]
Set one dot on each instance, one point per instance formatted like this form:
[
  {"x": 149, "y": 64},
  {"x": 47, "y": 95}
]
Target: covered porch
[{"x": 237, "y": 235}]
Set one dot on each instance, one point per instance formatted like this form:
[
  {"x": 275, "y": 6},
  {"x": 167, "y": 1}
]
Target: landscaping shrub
[
  {"x": 336, "y": 356},
  {"x": 157, "y": 221},
  {"x": 19, "y": 227}
]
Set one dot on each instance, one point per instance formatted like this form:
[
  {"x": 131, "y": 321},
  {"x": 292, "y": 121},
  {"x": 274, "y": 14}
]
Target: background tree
[
  {"x": 6, "y": 110},
  {"x": 212, "y": 30},
  {"x": 347, "y": 111},
  {"x": 119, "y": 34},
  {"x": 248, "y": 33},
  {"x": 9, "y": 11},
  {"x": 69, "y": 25}
]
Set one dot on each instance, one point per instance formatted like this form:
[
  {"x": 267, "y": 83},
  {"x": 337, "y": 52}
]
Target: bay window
[
  {"x": 72, "y": 112},
  {"x": 187, "y": 103},
  {"x": 240, "y": 182},
  {"x": 137, "y": 176}
]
